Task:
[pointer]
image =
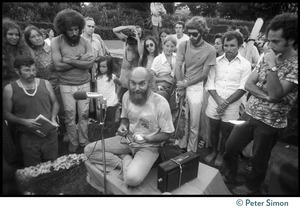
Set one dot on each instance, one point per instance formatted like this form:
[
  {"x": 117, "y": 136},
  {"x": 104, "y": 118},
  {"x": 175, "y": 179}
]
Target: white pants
[{"x": 194, "y": 97}]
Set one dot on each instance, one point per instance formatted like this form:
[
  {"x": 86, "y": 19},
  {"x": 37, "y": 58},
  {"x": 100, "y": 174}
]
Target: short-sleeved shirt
[
  {"x": 275, "y": 113},
  {"x": 107, "y": 89},
  {"x": 162, "y": 67},
  {"x": 179, "y": 40},
  {"x": 152, "y": 117},
  {"x": 196, "y": 58},
  {"x": 227, "y": 77}
]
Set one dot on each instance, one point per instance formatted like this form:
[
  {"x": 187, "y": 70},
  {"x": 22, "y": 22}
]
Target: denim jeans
[
  {"x": 135, "y": 168},
  {"x": 194, "y": 97},
  {"x": 264, "y": 139},
  {"x": 70, "y": 113}
]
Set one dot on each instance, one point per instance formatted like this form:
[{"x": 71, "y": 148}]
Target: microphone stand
[{"x": 101, "y": 123}]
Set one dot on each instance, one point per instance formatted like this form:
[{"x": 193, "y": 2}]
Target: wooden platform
[{"x": 208, "y": 182}]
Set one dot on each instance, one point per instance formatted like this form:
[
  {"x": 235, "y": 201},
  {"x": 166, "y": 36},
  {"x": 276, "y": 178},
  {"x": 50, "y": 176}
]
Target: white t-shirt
[
  {"x": 152, "y": 117},
  {"x": 183, "y": 38},
  {"x": 107, "y": 89}
]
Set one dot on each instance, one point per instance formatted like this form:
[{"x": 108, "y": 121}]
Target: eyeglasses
[
  {"x": 149, "y": 45},
  {"x": 194, "y": 34}
]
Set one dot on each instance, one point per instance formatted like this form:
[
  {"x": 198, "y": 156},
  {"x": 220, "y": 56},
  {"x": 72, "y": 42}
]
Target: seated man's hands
[
  {"x": 122, "y": 130},
  {"x": 139, "y": 138}
]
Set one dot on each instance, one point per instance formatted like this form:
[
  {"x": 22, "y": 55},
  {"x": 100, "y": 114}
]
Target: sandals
[{"x": 201, "y": 144}]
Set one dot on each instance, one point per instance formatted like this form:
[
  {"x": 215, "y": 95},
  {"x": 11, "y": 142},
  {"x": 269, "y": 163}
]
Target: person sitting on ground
[
  {"x": 133, "y": 50},
  {"x": 146, "y": 123},
  {"x": 150, "y": 52},
  {"x": 163, "y": 66},
  {"x": 23, "y": 101},
  {"x": 162, "y": 35}
]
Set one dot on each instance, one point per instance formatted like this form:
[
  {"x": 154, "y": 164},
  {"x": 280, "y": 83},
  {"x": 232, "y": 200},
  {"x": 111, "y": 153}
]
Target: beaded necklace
[{"x": 25, "y": 91}]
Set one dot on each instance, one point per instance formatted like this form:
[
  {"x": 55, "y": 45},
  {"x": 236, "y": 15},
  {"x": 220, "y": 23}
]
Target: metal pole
[{"x": 103, "y": 145}]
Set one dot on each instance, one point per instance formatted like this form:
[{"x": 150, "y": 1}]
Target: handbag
[{"x": 148, "y": 23}]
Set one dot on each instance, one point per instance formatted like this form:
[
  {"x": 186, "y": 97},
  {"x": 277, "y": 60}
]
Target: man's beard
[
  {"x": 197, "y": 41},
  {"x": 74, "y": 40},
  {"x": 138, "y": 98}
]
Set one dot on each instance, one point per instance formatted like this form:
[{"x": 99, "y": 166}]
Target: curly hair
[
  {"x": 23, "y": 60},
  {"x": 146, "y": 52},
  {"x": 198, "y": 23},
  {"x": 27, "y": 33},
  {"x": 288, "y": 23},
  {"x": 66, "y": 19},
  {"x": 230, "y": 35}
]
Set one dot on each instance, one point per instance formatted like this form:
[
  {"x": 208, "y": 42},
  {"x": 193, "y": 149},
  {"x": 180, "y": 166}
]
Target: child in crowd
[{"x": 106, "y": 82}]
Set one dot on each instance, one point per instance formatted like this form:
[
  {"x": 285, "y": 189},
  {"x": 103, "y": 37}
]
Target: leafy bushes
[{"x": 108, "y": 19}]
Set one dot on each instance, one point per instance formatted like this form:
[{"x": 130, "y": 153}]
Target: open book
[{"x": 46, "y": 128}]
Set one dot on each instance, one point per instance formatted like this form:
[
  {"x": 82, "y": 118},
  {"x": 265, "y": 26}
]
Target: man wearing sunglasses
[{"x": 199, "y": 57}]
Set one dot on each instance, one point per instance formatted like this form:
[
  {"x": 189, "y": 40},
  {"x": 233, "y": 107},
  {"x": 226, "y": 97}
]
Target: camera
[{"x": 131, "y": 38}]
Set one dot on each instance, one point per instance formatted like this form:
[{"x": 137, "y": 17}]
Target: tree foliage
[{"x": 113, "y": 13}]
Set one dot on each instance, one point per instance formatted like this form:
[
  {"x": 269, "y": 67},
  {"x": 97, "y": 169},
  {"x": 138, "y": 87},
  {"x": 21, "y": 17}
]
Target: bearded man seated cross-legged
[{"x": 146, "y": 123}]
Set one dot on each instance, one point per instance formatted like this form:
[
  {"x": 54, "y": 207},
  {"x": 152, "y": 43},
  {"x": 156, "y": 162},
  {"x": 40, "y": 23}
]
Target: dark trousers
[
  {"x": 264, "y": 138},
  {"x": 110, "y": 127},
  {"x": 216, "y": 126}
]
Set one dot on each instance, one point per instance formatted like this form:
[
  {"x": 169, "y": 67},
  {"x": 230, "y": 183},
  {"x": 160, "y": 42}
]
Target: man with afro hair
[{"x": 73, "y": 58}]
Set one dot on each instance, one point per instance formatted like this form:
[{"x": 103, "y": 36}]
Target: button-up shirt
[{"x": 227, "y": 77}]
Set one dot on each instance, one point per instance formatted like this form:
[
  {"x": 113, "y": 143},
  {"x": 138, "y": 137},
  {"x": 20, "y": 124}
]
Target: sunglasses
[
  {"x": 194, "y": 34},
  {"x": 149, "y": 45}
]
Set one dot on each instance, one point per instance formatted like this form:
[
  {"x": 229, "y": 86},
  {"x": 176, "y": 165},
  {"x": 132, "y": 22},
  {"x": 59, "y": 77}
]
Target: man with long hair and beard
[
  {"x": 73, "y": 57},
  {"x": 146, "y": 122},
  {"x": 199, "y": 57}
]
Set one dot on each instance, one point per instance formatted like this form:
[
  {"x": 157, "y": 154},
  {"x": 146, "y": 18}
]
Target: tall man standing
[
  {"x": 199, "y": 58},
  {"x": 88, "y": 33},
  {"x": 274, "y": 90},
  {"x": 225, "y": 85},
  {"x": 73, "y": 58}
]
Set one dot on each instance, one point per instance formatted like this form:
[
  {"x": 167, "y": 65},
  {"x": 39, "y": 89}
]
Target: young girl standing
[{"x": 106, "y": 85}]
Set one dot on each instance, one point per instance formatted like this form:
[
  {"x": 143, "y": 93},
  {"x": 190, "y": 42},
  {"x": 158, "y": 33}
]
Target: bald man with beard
[{"x": 146, "y": 123}]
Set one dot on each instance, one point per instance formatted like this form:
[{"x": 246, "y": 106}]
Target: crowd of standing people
[{"x": 41, "y": 72}]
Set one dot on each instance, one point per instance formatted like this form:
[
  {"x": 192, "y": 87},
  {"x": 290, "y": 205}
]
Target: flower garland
[{"x": 63, "y": 162}]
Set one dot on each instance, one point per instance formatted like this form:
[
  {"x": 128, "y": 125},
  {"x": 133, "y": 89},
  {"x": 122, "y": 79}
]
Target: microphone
[{"x": 82, "y": 95}]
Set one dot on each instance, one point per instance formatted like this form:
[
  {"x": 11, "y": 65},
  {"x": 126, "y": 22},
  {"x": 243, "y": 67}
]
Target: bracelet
[{"x": 226, "y": 102}]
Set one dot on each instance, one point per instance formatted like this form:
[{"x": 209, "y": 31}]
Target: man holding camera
[{"x": 132, "y": 52}]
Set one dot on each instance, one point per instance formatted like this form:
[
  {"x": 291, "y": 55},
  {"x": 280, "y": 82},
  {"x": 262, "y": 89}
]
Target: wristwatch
[{"x": 274, "y": 69}]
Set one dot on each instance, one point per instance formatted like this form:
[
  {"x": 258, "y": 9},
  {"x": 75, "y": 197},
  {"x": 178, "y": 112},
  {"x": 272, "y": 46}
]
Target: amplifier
[{"x": 175, "y": 172}]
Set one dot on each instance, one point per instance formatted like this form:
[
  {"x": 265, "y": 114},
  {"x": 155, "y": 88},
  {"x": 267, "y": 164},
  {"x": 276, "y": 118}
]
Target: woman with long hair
[
  {"x": 149, "y": 53},
  {"x": 12, "y": 45},
  {"x": 42, "y": 55},
  {"x": 162, "y": 35}
]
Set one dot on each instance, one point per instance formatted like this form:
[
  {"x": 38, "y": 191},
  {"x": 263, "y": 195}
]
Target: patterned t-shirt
[{"x": 275, "y": 113}]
